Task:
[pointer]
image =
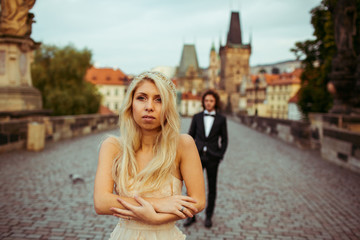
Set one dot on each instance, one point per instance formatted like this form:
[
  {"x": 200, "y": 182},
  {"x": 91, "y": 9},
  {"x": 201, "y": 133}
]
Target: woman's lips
[{"x": 148, "y": 117}]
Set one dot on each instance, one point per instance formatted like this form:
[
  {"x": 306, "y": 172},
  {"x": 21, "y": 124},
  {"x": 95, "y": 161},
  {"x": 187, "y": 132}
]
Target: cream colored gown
[{"x": 133, "y": 230}]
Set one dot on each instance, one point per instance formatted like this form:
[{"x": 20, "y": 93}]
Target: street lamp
[{"x": 257, "y": 81}]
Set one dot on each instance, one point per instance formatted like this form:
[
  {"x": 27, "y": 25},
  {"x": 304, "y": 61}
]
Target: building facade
[
  {"x": 256, "y": 94},
  {"x": 277, "y": 68},
  {"x": 294, "y": 112},
  {"x": 111, "y": 83},
  {"x": 280, "y": 91},
  {"x": 190, "y": 104}
]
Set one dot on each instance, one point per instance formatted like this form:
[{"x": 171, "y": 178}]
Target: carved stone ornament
[{"x": 15, "y": 19}]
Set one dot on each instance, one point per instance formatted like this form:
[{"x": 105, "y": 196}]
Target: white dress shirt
[{"x": 208, "y": 122}]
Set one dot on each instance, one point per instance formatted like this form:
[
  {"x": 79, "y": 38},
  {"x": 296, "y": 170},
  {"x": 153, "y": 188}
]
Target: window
[{"x": 116, "y": 91}]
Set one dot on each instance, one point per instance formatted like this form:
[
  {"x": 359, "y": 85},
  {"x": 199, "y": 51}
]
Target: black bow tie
[{"x": 210, "y": 115}]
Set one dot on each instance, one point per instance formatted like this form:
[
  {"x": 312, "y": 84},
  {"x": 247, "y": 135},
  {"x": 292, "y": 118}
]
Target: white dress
[{"x": 133, "y": 230}]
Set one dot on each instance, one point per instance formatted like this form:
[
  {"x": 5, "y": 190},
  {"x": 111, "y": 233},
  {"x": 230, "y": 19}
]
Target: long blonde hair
[{"x": 157, "y": 172}]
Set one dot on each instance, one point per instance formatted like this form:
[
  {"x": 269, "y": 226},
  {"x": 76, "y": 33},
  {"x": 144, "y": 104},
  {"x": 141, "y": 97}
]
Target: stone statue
[
  {"x": 345, "y": 26},
  {"x": 343, "y": 75},
  {"x": 15, "y": 19}
]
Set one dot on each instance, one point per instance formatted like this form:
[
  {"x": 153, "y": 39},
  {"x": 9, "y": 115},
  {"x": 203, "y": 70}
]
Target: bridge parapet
[
  {"x": 13, "y": 133},
  {"x": 337, "y": 138}
]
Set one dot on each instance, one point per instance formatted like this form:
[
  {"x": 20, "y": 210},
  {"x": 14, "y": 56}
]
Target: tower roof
[
  {"x": 188, "y": 59},
  {"x": 234, "y": 34}
]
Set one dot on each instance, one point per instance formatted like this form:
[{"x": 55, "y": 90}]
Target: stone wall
[
  {"x": 13, "y": 133},
  {"x": 294, "y": 132},
  {"x": 341, "y": 147},
  {"x": 337, "y": 138}
]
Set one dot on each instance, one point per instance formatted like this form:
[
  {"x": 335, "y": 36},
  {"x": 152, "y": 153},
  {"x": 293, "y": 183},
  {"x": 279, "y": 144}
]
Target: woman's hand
[
  {"x": 178, "y": 204},
  {"x": 143, "y": 213}
]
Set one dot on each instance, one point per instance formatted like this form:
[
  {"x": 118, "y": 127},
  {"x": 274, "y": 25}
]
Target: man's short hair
[{"x": 214, "y": 94}]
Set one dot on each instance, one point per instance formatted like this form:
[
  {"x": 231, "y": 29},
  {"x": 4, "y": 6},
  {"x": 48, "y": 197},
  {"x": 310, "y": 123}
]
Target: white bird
[{"x": 76, "y": 178}]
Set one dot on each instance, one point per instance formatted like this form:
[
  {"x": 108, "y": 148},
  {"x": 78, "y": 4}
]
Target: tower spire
[{"x": 234, "y": 34}]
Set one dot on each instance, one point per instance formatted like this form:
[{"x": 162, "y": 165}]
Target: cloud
[{"x": 140, "y": 34}]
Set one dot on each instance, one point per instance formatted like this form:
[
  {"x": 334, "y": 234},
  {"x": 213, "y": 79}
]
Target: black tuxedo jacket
[{"x": 217, "y": 140}]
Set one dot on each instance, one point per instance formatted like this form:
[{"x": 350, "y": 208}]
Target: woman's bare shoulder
[
  {"x": 185, "y": 141},
  {"x": 112, "y": 144},
  {"x": 112, "y": 140}
]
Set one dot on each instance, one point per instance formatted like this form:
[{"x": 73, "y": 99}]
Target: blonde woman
[{"x": 147, "y": 165}]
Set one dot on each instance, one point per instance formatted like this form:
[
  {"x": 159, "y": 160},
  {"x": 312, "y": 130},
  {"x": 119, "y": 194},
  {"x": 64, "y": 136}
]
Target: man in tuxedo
[{"x": 208, "y": 128}]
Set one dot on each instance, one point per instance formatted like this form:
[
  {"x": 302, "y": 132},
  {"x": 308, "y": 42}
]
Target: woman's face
[{"x": 146, "y": 106}]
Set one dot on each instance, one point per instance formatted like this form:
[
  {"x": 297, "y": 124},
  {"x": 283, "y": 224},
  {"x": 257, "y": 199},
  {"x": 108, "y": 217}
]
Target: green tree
[
  {"x": 317, "y": 56},
  {"x": 59, "y": 74}
]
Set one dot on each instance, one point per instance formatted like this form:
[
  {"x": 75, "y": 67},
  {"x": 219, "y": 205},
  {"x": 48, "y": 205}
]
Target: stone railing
[
  {"x": 14, "y": 134},
  {"x": 336, "y": 137},
  {"x": 295, "y": 132}
]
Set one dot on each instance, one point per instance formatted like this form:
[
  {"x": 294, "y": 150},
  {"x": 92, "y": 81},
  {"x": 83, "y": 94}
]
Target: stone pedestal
[
  {"x": 16, "y": 90},
  {"x": 20, "y": 99},
  {"x": 35, "y": 136}
]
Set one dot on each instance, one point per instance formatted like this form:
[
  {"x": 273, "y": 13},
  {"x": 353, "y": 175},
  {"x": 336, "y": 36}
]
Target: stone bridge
[{"x": 267, "y": 189}]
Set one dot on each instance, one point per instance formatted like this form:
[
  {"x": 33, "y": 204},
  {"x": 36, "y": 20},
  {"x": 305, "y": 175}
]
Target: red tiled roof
[
  {"x": 190, "y": 96},
  {"x": 104, "y": 110},
  {"x": 288, "y": 78},
  {"x": 106, "y": 76},
  {"x": 269, "y": 78}
]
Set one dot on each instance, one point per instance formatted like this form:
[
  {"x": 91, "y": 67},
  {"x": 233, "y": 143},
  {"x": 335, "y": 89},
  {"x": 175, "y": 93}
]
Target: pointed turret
[
  {"x": 188, "y": 60},
  {"x": 234, "y": 34}
]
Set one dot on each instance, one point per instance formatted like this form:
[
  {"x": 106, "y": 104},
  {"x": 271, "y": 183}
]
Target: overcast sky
[{"x": 138, "y": 35}]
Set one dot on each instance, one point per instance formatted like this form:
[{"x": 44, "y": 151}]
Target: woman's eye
[
  {"x": 158, "y": 99},
  {"x": 140, "y": 98}
]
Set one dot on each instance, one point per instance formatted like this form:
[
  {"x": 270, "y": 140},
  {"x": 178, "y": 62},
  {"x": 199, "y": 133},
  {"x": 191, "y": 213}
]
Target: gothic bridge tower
[{"x": 234, "y": 60}]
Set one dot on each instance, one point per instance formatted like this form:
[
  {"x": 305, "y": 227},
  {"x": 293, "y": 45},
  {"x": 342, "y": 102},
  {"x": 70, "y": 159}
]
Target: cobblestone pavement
[{"x": 267, "y": 189}]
